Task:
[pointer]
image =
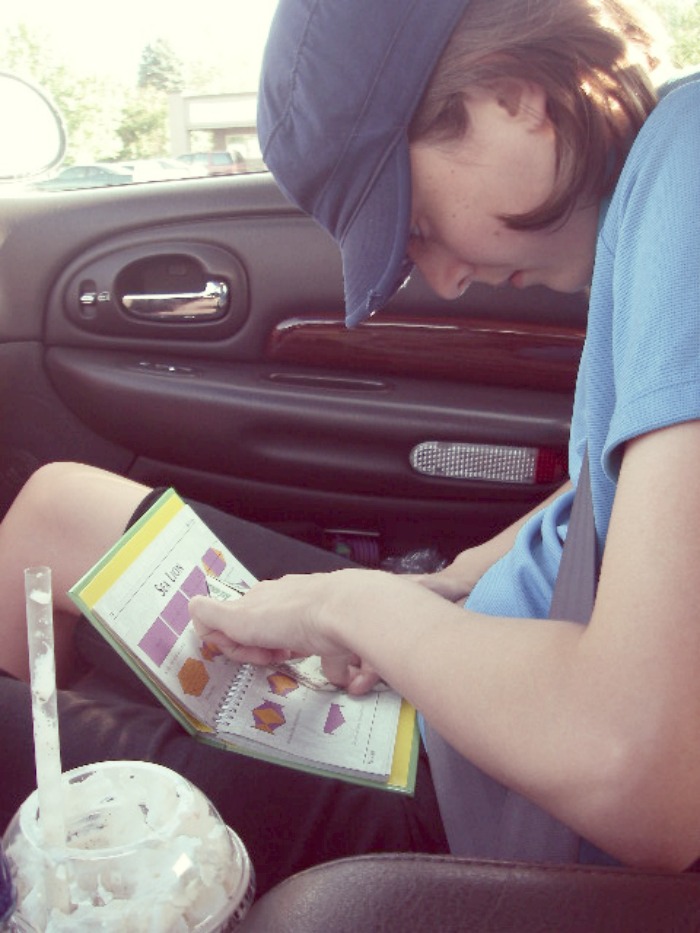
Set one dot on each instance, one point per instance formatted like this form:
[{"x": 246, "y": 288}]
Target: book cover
[{"x": 137, "y": 596}]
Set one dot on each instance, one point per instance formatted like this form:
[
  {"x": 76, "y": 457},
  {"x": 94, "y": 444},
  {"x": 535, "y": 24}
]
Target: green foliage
[
  {"x": 144, "y": 125},
  {"x": 683, "y": 23},
  {"x": 160, "y": 68}
]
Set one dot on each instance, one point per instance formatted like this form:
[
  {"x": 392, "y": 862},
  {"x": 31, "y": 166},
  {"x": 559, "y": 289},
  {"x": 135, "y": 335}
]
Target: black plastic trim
[{"x": 232, "y": 419}]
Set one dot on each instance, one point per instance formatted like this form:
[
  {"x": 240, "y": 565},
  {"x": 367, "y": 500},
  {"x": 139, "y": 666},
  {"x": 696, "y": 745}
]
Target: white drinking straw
[{"x": 42, "y": 666}]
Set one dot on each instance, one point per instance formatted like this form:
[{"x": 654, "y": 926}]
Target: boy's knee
[{"x": 48, "y": 485}]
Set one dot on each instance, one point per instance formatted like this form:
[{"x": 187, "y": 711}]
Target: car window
[
  {"x": 155, "y": 91},
  {"x": 150, "y": 91}
]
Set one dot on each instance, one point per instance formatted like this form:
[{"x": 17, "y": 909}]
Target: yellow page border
[{"x": 403, "y": 763}]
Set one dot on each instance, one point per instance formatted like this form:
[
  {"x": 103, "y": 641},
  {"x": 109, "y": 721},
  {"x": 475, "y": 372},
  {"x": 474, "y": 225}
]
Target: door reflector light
[{"x": 489, "y": 462}]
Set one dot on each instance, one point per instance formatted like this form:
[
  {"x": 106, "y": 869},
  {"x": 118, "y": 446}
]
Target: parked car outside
[
  {"x": 223, "y": 162},
  {"x": 87, "y": 176},
  {"x": 159, "y": 169}
]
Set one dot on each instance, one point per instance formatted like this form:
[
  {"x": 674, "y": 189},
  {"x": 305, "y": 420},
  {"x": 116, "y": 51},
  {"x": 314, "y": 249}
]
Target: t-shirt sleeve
[{"x": 655, "y": 238}]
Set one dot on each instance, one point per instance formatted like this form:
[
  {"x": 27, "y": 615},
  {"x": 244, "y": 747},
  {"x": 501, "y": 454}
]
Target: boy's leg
[
  {"x": 68, "y": 515},
  {"x": 65, "y": 517},
  {"x": 288, "y": 819}
]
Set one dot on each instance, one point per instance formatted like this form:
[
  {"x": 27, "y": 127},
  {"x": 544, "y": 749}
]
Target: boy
[{"x": 480, "y": 142}]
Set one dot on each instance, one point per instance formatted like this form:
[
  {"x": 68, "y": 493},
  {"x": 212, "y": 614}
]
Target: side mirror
[{"x": 33, "y": 137}]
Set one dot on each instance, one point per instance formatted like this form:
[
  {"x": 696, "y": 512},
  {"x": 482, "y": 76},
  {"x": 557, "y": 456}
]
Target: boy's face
[{"x": 504, "y": 165}]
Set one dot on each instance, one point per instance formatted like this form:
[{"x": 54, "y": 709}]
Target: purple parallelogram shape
[
  {"x": 214, "y": 562},
  {"x": 176, "y": 613},
  {"x": 158, "y": 641},
  {"x": 195, "y": 584},
  {"x": 334, "y": 719}
]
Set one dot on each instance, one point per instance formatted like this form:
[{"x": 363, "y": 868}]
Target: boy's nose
[{"x": 447, "y": 276}]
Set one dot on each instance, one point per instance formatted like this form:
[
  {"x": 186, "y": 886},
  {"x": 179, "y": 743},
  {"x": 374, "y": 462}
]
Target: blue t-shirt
[
  {"x": 640, "y": 371},
  {"x": 640, "y": 368}
]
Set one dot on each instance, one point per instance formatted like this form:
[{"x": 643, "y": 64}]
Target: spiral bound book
[{"x": 137, "y": 597}]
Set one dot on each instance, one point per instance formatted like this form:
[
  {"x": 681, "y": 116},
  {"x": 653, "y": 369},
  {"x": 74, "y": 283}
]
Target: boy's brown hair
[{"x": 592, "y": 57}]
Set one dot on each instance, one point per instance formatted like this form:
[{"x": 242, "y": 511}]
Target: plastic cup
[
  {"x": 145, "y": 851},
  {"x": 7, "y": 890}
]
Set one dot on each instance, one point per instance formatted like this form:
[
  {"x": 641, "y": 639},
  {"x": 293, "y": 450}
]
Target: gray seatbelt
[
  {"x": 485, "y": 819},
  {"x": 577, "y": 580}
]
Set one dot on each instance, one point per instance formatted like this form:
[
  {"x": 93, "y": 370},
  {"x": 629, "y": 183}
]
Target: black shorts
[{"x": 287, "y": 819}]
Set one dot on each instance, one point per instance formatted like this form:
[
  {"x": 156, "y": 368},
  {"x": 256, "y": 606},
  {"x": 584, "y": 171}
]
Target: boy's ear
[{"x": 522, "y": 99}]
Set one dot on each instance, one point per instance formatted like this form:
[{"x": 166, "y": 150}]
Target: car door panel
[
  {"x": 257, "y": 423},
  {"x": 269, "y": 405},
  {"x": 37, "y": 427}
]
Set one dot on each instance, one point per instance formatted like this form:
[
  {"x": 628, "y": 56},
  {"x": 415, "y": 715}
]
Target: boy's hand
[{"x": 279, "y": 620}]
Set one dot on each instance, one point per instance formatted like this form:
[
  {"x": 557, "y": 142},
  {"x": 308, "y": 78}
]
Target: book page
[
  {"x": 138, "y": 597},
  {"x": 275, "y": 710},
  {"x": 141, "y": 593}
]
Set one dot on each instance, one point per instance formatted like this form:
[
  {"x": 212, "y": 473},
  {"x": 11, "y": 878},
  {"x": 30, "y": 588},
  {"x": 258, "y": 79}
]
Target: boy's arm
[
  {"x": 458, "y": 579},
  {"x": 598, "y": 724}
]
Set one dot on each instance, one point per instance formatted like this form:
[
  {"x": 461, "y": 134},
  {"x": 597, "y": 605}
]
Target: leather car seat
[{"x": 403, "y": 893}]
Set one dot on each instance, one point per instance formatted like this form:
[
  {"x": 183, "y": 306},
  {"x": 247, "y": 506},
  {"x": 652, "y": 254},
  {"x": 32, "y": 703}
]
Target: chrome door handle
[{"x": 208, "y": 305}]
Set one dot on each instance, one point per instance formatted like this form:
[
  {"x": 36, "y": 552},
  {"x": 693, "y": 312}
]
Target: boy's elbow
[
  {"x": 651, "y": 813},
  {"x": 662, "y": 852}
]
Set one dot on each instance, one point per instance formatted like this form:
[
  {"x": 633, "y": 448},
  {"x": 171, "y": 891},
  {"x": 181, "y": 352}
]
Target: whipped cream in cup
[{"x": 145, "y": 851}]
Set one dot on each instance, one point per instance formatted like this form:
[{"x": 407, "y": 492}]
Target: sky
[{"x": 108, "y": 38}]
